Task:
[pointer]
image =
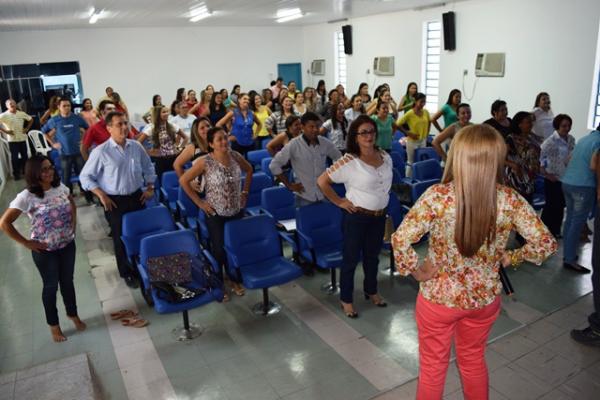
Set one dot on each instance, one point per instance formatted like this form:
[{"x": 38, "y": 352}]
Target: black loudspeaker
[
  {"x": 347, "y": 32},
  {"x": 449, "y": 31}
]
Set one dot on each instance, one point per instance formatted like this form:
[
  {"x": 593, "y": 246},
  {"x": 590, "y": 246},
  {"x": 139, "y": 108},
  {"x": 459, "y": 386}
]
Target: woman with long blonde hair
[{"x": 469, "y": 217}]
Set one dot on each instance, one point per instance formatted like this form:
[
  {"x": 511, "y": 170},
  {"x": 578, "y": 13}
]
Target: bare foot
[
  {"x": 79, "y": 324},
  {"x": 57, "y": 334}
]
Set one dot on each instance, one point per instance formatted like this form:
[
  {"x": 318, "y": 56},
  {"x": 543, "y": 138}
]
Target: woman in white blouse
[
  {"x": 366, "y": 172},
  {"x": 542, "y": 125}
]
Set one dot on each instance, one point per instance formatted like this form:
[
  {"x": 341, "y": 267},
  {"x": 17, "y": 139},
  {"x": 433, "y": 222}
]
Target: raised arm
[{"x": 447, "y": 133}]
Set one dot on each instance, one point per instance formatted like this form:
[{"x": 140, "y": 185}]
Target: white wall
[
  {"x": 141, "y": 62},
  {"x": 550, "y": 46}
]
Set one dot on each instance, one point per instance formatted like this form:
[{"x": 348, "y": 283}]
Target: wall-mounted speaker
[
  {"x": 347, "y": 33},
  {"x": 449, "y": 31}
]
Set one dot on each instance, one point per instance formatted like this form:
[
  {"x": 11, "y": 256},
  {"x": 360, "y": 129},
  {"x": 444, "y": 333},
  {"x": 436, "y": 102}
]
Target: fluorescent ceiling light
[
  {"x": 199, "y": 12},
  {"x": 94, "y": 18},
  {"x": 91, "y": 12},
  {"x": 289, "y": 14}
]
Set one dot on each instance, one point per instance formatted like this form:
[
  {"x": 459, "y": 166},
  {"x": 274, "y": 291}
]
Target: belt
[
  {"x": 135, "y": 193},
  {"x": 376, "y": 213}
]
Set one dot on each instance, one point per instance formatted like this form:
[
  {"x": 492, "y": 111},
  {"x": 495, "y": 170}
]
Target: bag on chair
[{"x": 173, "y": 269}]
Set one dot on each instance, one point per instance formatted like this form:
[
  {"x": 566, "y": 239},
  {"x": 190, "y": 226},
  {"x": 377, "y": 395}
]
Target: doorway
[{"x": 290, "y": 72}]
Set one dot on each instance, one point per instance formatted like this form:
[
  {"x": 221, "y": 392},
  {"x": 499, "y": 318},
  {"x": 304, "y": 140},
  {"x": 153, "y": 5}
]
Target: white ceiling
[{"x": 73, "y": 14}]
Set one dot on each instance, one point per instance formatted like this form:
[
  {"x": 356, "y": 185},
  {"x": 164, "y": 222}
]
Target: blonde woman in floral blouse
[{"x": 469, "y": 217}]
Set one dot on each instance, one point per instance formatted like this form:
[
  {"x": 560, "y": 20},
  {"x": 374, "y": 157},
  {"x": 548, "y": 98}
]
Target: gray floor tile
[
  {"x": 583, "y": 386},
  {"x": 548, "y": 366}
]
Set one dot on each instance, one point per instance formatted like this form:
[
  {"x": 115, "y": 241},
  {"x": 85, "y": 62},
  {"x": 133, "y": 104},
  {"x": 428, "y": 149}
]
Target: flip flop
[
  {"x": 135, "y": 322},
  {"x": 122, "y": 314}
]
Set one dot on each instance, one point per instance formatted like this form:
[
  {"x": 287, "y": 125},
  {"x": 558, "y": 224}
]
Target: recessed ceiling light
[
  {"x": 199, "y": 12},
  {"x": 289, "y": 14}
]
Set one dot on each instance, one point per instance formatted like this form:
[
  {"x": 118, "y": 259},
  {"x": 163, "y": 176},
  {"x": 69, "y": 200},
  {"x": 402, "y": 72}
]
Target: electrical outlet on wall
[
  {"x": 465, "y": 72},
  {"x": 368, "y": 71}
]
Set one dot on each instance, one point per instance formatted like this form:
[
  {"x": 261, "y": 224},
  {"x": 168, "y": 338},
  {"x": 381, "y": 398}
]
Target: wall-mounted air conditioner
[
  {"x": 383, "y": 66},
  {"x": 317, "y": 67},
  {"x": 489, "y": 64}
]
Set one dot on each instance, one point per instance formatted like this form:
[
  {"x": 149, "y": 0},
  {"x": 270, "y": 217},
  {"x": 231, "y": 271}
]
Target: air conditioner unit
[
  {"x": 317, "y": 67},
  {"x": 383, "y": 66},
  {"x": 489, "y": 64}
]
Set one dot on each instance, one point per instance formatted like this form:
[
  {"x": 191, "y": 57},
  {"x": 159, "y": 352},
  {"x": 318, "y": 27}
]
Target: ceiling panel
[{"x": 74, "y": 14}]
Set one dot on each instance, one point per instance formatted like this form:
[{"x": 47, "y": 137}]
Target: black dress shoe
[
  {"x": 586, "y": 336},
  {"x": 577, "y": 268},
  {"x": 131, "y": 282}
]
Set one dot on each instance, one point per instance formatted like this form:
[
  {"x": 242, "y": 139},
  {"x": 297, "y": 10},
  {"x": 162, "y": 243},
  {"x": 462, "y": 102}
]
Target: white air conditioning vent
[
  {"x": 489, "y": 64},
  {"x": 317, "y": 67},
  {"x": 383, "y": 66}
]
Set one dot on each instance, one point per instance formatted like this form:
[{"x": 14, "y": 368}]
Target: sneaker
[{"x": 586, "y": 336}]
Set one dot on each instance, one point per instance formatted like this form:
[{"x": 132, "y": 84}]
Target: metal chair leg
[{"x": 266, "y": 307}]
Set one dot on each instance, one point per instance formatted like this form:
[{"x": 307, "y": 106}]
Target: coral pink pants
[{"x": 470, "y": 328}]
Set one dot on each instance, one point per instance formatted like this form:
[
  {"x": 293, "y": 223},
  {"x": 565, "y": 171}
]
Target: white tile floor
[{"x": 540, "y": 361}]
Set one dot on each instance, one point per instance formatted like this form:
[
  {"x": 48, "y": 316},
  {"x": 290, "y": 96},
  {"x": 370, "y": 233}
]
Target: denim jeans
[
  {"x": 579, "y": 201},
  {"x": 594, "y": 318},
  {"x": 18, "y": 164},
  {"x": 67, "y": 163},
  {"x": 362, "y": 234},
  {"x": 56, "y": 268}
]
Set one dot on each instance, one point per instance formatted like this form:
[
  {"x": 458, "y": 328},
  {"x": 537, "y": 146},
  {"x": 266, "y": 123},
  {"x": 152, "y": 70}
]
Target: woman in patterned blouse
[
  {"x": 469, "y": 217},
  {"x": 221, "y": 171},
  {"x": 53, "y": 215}
]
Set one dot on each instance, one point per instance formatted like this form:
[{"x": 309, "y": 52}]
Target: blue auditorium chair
[
  {"x": 426, "y": 153},
  {"x": 259, "y": 182},
  {"x": 253, "y": 248},
  {"x": 320, "y": 240},
  {"x": 168, "y": 243},
  {"x": 426, "y": 170},
  {"x": 255, "y": 157},
  {"x": 169, "y": 187}
]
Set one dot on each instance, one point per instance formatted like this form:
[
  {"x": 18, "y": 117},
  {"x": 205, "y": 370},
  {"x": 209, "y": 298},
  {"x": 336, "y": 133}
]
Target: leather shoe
[
  {"x": 586, "y": 336},
  {"x": 131, "y": 282},
  {"x": 576, "y": 267}
]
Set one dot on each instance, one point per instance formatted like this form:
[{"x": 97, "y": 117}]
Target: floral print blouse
[{"x": 467, "y": 282}]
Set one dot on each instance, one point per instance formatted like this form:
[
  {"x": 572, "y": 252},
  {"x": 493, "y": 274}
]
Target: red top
[{"x": 98, "y": 134}]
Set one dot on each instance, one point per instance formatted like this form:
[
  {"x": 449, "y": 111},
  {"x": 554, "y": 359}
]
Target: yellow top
[
  {"x": 416, "y": 124},
  {"x": 262, "y": 114}
]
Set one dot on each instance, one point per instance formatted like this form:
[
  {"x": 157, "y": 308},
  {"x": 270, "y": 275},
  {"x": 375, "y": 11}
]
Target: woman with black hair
[
  {"x": 335, "y": 127},
  {"x": 366, "y": 172},
  {"x": 555, "y": 154},
  {"x": 221, "y": 169},
  {"x": 418, "y": 122},
  {"x": 408, "y": 100},
  {"x": 363, "y": 92},
  {"x": 242, "y": 125},
  {"x": 523, "y": 156},
  {"x": 217, "y": 108},
  {"x": 356, "y": 108},
  {"x": 500, "y": 120},
  {"x": 448, "y": 110},
  {"x": 321, "y": 100},
  {"x": 235, "y": 93},
  {"x": 53, "y": 216},
  {"x": 156, "y": 101}
]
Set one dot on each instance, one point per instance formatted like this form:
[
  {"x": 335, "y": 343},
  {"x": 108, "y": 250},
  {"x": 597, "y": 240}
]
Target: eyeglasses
[
  {"x": 48, "y": 169},
  {"x": 370, "y": 132}
]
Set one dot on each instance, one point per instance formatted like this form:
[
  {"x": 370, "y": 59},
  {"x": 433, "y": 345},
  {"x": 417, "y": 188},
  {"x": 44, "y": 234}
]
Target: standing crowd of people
[{"x": 492, "y": 171}]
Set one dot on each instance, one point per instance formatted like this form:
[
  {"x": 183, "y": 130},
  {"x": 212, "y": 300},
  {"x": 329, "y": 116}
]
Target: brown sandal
[
  {"x": 122, "y": 314},
  {"x": 135, "y": 322}
]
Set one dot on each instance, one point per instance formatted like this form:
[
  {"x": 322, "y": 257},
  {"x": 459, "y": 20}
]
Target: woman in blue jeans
[
  {"x": 366, "y": 172},
  {"x": 52, "y": 212},
  {"x": 579, "y": 184}
]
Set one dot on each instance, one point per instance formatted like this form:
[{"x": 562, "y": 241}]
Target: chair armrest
[
  {"x": 211, "y": 260},
  {"x": 289, "y": 237},
  {"x": 254, "y": 211},
  {"x": 164, "y": 193},
  {"x": 127, "y": 245},
  {"x": 309, "y": 241},
  {"x": 144, "y": 275},
  {"x": 233, "y": 257},
  {"x": 180, "y": 226},
  {"x": 182, "y": 209}
]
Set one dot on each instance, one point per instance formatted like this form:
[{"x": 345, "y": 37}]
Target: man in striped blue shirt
[{"x": 116, "y": 172}]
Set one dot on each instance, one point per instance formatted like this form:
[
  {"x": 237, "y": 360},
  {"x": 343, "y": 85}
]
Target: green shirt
[
  {"x": 385, "y": 132},
  {"x": 449, "y": 115}
]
